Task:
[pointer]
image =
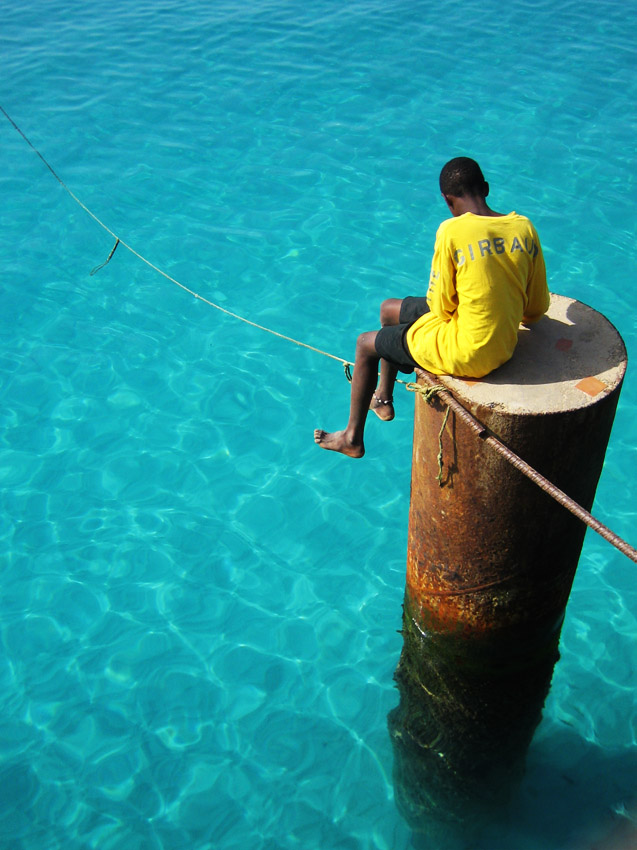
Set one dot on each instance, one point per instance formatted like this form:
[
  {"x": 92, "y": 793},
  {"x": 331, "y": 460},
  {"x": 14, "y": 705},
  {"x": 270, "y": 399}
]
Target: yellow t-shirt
[{"x": 487, "y": 276}]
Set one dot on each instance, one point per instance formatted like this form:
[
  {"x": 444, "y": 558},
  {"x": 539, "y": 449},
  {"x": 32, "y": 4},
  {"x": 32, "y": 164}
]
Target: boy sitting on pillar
[{"x": 487, "y": 276}]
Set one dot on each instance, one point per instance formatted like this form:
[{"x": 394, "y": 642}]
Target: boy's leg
[
  {"x": 382, "y": 400},
  {"x": 350, "y": 441},
  {"x": 390, "y": 311}
]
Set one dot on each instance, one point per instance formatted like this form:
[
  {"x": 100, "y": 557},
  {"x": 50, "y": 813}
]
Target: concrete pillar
[{"x": 491, "y": 557}]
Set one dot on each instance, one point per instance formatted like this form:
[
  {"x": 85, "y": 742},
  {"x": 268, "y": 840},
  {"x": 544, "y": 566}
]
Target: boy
[{"x": 487, "y": 276}]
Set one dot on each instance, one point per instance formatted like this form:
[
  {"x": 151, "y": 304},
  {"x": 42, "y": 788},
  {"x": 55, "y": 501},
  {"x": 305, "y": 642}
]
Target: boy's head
[{"x": 462, "y": 177}]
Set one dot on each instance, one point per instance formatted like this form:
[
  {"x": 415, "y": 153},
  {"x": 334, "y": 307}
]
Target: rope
[
  {"x": 543, "y": 483},
  {"x": 429, "y": 393},
  {"x": 119, "y": 241},
  {"x": 433, "y": 390},
  {"x": 106, "y": 261}
]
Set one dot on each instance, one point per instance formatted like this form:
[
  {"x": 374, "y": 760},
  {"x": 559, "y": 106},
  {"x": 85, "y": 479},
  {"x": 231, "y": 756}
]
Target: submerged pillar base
[{"x": 462, "y": 728}]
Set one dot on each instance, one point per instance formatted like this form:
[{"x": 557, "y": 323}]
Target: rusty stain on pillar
[{"x": 491, "y": 558}]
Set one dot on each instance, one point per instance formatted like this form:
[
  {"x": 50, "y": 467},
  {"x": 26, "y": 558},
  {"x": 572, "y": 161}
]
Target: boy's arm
[
  {"x": 537, "y": 290},
  {"x": 441, "y": 295}
]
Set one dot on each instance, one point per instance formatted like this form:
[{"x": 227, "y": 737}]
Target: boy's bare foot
[
  {"x": 338, "y": 442},
  {"x": 383, "y": 408}
]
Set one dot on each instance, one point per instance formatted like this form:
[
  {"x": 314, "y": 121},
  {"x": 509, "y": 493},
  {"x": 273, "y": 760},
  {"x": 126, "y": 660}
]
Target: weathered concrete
[{"x": 564, "y": 362}]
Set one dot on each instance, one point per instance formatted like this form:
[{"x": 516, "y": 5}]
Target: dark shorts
[{"x": 390, "y": 341}]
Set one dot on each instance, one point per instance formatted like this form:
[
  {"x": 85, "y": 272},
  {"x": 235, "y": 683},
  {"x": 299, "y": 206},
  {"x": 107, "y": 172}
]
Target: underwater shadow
[
  {"x": 591, "y": 804},
  {"x": 475, "y": 769},
  {"x": 588, "y": 804}
]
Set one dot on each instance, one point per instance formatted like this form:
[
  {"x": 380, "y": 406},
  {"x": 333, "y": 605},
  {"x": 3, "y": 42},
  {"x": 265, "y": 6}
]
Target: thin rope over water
[
  {"x": 119, "y": 241},
  {"x": 433, "y": 390}
]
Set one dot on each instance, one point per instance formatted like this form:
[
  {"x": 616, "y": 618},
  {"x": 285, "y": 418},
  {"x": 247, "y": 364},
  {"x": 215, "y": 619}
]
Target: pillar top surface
[{"x": 570, "y": 359}]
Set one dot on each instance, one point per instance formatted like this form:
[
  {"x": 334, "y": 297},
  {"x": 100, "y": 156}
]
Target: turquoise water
[{"x": 199, "y": 609}]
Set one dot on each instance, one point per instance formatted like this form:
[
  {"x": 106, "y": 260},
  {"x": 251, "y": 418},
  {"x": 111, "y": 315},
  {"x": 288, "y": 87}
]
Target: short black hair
[{"x": 463, "y": 176}]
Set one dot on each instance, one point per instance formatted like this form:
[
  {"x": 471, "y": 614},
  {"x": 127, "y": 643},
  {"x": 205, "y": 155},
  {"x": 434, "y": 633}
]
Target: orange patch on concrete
[{"x": 591, "y": 386}]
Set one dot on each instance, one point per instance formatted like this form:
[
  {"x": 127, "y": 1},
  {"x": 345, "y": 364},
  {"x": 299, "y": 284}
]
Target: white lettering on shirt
[{"x": 497, "y": 245}]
